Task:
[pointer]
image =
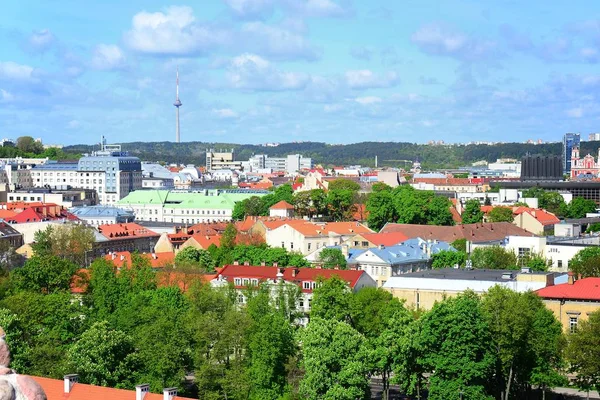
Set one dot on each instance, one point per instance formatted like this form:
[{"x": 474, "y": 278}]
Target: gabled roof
[
  {"x": 385, "y": 239},
  {"x": 409, "y": 251},
  {"x": 542, "y": 216},
  {"x": 282, "y": 205},
  {"x": 480, "y": 232},
  {"x": 320, "y": 229},
  {"x": 127, "y": 230},
  {"x": 157, "y": 260},
  {"x": 54, "y": 389},
  {"x": 205, "y": 241},
  {"x": 581, "y": 289}
]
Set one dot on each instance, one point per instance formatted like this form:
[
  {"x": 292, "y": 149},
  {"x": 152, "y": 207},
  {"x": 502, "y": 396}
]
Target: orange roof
[
  {"x": 312, "y": 229},
  {"x": 543, "y": 216},
  {"x": 6, "y": 214},
  {"x": 386, "y": 239},
  {"x": 157, "y": 260},
  {"x": 487, "y": 209},
  {"x": 130, "y": 229},
  {"x": 205, "y": 241},
  {"x": 54, "y": 389},
  {"x": 282, "y": 205},
  {"x": 455, "y": 215}
]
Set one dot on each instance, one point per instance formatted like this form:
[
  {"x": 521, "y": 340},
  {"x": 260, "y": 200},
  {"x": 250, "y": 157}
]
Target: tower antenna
[{"x": 177, "y": 104}]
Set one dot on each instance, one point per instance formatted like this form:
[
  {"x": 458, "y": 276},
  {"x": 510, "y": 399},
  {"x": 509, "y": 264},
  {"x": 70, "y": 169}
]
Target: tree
[
  {"x": 460, "y": 245},
  {"x": 340, "y": 204},
  {"x": 411, "y": 205},
  {"x": 493, "y": 257},
  {"x": 448, "y": 258},
  {"x": 332, "y": 258},
  {"x": 501, "y": 214},
  {"x": 228, "y": 238},
  {"x": 457, "y": 349},
  {"x": 104, "y": 356},
  {"x": 438, "y": 211},
  {"x": 334, "y": 361},
  {"x": 254, "y": 206},
  {"x": 380, "y": 208},
  {"x": 579, "y": 207},
  {"x": 595, "y": 227},
  {"x": 46, "y": 274},
  {"x": 472, "y": 212},
  {"x": 331, "y": 300},
  {"x": 27, "y": 144},
  {"x": 554, "y": 203},
  {"x": 583, "y": 353},
  {"x": 344, "y": 184},
  {"x": 188, "y": 255},
  {"x": 586, "y": 262},
  {"x": 535, "y": 262},
  {"x": 70, "y": 241}
]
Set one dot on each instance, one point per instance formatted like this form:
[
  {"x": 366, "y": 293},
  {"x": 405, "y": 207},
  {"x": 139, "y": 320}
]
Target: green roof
[{"x": 171, "y": 199}]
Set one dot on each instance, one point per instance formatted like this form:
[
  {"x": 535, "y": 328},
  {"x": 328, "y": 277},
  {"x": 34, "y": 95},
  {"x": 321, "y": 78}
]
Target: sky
[{"x": 335, "y": 71}]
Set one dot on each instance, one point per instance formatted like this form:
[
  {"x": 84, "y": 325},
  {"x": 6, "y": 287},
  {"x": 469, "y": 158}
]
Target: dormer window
[{"x": 306, "y": 285}]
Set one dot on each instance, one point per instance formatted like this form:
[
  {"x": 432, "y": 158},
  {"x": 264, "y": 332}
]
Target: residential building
[
  {"x": 594, "y": 137},
  {"x": 102, "y": 215},
  {"x": 124, "y": 237},
  {"x": 222, "y": 159},
  {"x": 422, "y": 289},
  {"x": 304, "y": 280},
  {"x": 449, "y": 184},
  {"x": 573, "y": 301},
  {"x": 536, "y": 221},
  {"x": 282, "y": 209},
  {"x": 570, "y": 140},
  {"x": 305, "y": 237},
  {"x": 10, "y": 236},
  {"x": 70, "y": 389},
  {"x": 185, "y": 207},
  {"x": 156, "y": 260},
  {"x": 28, "y": 218},
  {"x": 370, "y": 240}
]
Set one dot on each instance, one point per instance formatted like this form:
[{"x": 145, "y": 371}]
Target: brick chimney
[
  {"x": 295, "y": 271},
  {"x": 246, "y": 263},
  {"x": 141, "y": 390},
  {"x": 70, "y": 381},
  {"x": 236, "y": 263},
  {"x": 571, "y": 279},
  {"x": 169, "y": 393}
]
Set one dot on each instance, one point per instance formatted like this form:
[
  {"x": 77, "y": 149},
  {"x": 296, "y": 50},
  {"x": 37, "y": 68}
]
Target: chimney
[
  {"x": 236, "y": 263},
  {"x": 295, "y": 272},
  {"x": 154, "y": 256},
  {"x": 246, "y": 263},
  {"x": 275, "y": 264},
  {"x": 381, "y": 247},
  {"x": 263, "y": 263},
  {"x": 122, "y": 257},
  {"x": 345, "y": 250},
  {"x": 169, "y": 393},
  {"x": 571, "y": 279},
  {"x": 141, "y": 390},
  {"x": 69, "y": 381}
]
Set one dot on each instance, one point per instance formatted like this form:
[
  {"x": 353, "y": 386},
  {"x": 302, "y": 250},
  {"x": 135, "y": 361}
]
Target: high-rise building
[
  {"x": 594, "y": 137},
  {"x": 570, "y": 140},
  {"x": 221, "y": 159}
]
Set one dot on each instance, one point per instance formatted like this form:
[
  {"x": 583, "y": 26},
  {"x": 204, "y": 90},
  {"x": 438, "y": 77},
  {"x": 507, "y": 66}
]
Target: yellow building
[{"x": 573, "y": 301}]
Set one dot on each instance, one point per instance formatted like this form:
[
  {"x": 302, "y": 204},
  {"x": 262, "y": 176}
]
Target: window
[
  {"x": 301, "y": 303},
  {"x": 356, "y": 243},
  {"x": 365, "y": 244},
  {"x": 524, "y": 252},
  {"x": 572, "y": 324},
  {"x": 283, "y": 245},
  {"x": 246, "y": 281},
  {"x": 308, "y": 247},
  {"x": 559, "y": 263},
  {"x": 237, "y": 281},
  {"x": 241, "y": 299},
  {"x": 305, "y": 285},
  {"x": 291, "y": 245},
  {"x": 313, "y": 285}
]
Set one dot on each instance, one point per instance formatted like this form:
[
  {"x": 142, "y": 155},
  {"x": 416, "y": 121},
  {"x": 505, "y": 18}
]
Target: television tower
[{"x": 177, "y": 104}]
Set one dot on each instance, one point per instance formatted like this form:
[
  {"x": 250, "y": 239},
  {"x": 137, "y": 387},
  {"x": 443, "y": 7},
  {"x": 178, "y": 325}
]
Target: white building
[{"x": 291, "y": 164}]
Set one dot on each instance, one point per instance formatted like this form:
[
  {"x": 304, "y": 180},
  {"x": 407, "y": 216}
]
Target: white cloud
[
  {"x": 173, "y": 32},
  {"x": 276, "y": 42},
  {"x": 250, "y": 71},
  {"x": 363, "y": 79},
  {"x": 107, "y": 57},
  {"x": 224, "y": 113},
  {"x": 317, "y": 8},
  {"x": 576, "y": 112},
  {"x": 6, "y": 96},
  {"x": 442, "y": 40},
  {"x": 368, "y": 100},
  {"x": 41, "y": 40},
  {"x": 12, "y": 71},
  {"x": 250, "y": 8}
]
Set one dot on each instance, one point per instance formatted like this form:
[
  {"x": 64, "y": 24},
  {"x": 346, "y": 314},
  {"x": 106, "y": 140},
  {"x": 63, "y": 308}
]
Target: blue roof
[
  {"x": 100, "y": 211},
  {"x": 67, "y": 166},
  {"x": 409, "y": 250}
]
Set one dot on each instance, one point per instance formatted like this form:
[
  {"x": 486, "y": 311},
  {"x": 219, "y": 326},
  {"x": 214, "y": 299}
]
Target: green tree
[
  {"x": 411, "y": 205},
  {"x": 334, "y": 362},
  {"x": 340, "y": 204},
  {"x": 331, "y": 299},
  {"x": 71, "y": 241},
  {"x": 493, "y": 257},
  {"x": 460, "y": 245},
  {"x": 380, "y": 208},
  {"x": 448, "y": 258},
  {"x": 229, "y": 237},
  {"x": 27, "y": 144},
  {"x": 554, "y": 203},
  {"x": 42, "y": 242},
  {"x": 344, "y": 184},
  {"x": 595, "y": 227},
  {"x": 457, "y": 349},
  {"x": 332, "y": 258},
  {"x": 586, "y": 262},
  {"x": 104, "y": 356},
  {"x": 535, "y": 261},
  {"x": 472, "y": 212},
  {"x": 438, "y": 211},
  {"x": 47, "y": 274},
  {"x": 500, "y": 214},
  {"x": 583, "y": 353},
  {"x": 188, "y": 255},
  {"x": 579, "y": 207}
]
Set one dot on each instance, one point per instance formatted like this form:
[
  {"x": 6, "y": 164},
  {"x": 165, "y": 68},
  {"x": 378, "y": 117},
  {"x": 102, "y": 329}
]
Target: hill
[{"x": 395, "y": 154}]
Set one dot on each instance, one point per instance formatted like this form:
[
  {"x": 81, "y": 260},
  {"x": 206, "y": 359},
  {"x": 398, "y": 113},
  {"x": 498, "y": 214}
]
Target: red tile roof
[
  {"x": 54, "y": 389},
  {"x": 7, "y": 214},
  {"x": 480, "y": 232},
  {"x": 543, "y": 216},
  {"x": 282, "y": 205},
  {"x": 582, "y": 289},
  {"x": 385, "y": 239},
  {"x": 456, "y": 217},
  {"x": 230, "y": 272},
  {"x": 157, "y": 260},
  {"x": 130, "y": 229},
  {"x": 205, "y": 241}
]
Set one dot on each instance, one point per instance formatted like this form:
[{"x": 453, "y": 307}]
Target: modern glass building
[{"x": 570, "y": 140}]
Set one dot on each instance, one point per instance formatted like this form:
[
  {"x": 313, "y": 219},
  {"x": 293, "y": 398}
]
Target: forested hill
[{"x": 388, "y": 153}]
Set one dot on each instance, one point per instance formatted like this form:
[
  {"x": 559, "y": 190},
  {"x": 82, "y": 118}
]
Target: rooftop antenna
[{"x": 177, "y": 104}]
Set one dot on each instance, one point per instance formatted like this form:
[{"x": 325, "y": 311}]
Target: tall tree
[
  {"x": 472, "y": 212},
  {"x": 493, "y": 257},
  {"x": 501, "y": 214},
  {"x": 27, "y": 144},
  {"x": 334, "y": 360},
  {"x": 380, "y": 208},
  {"x": 579, "y": 207},
  {"x": 448, "y": 258},
  {"x": 228, "y": 238},
  {"x": 586, "y": 262},
  {"x": 344, "y": 184},
  {"x": 583, "y": 353},
  {"x": 47, "y": 274},
  {"x": 331, "y": 300},
  {"x": 332, "y": 258},
  {"x": 340, "y": 204},
  {"x": 438, "y": 211}
]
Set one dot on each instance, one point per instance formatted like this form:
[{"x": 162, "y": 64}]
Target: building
[
  {"x": 536, "y": 221},
  {"x": 156, "y": 260},
  {"x": 291, "y": 164},
  {"x": 124, "y": 237},
  {"x": 189, "y": 207},
  {"x": 300, "y": 280},
  {"x": 594, "y": 137},
  {"x": 305, "y": 237},
  {"x": 570, "y": 140},
  {"x": 541, "y": 168},
  {"x": 70, "y": 389},
  {"x": 422, "y": 289},
  {"x": 102, "y": 215},
  {"x": 222, "y": 159},
  {"x": 282, "y": 209},
  {"x": 573, "y": 301},
  {"x": 65, "y": 198},
  {"x": 586, "y": 167},
  {"x": 10, "y": 236},
  {"x": 587, "y": 189}
]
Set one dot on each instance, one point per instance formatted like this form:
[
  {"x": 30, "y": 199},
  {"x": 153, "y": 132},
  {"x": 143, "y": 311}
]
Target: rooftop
[
  {"x": 282, "y": 205},
  {"x": 130, "y": 229},
  {"x": 100, "y": 211},
  {"x": 480, "y": 232},
  {"x": 581, "y": 289}
]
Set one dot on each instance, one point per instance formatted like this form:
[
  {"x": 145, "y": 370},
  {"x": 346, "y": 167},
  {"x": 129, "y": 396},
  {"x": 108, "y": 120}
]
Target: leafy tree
[
  {"x": 104, "y": 356},
  {"x": 536, "y": 262},
  {"x": 188, "y": 255},
  {"x": 460, "y": 245},
  {"x": 105, "y": 291},
  {"x": 318, "y": 198},
  {"x": 554, "y": 203},
  {"x": 583, "y": 353},
  {"x": 493, "y": 257},
  {"x": 254, "y": 206},
  {"x": 27, "y": 144},
  {"x": 42, "y": 242},
  {"x": 344, "y": 184},
  {"x": 331, "y": 299},
  {"x": 411, "y": 205},
  {"x": 579, "y": 207},
  {"x": 228, "y": 238},
  {"x": 47, "y": 274},
  {"x": 448, "y": 258},
  {"x": 334, "y": 362},
  {"x": 586, "y": 262},
  {"x": 501, "y": 214},
  {"x": 595, "y": 227},
  {"x": 332, "y": 258},
  {"x": 438, "y": 211},
  {"x": 472, "y": 212},
  {"x": 340, "y": 204},
  {"x": 71, "y": 241},
  {"x": 380, "y": 208},
  {"x": 457, "y": 349}
]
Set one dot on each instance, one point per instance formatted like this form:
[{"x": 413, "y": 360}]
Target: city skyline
[{"x": 258, "y": 71}]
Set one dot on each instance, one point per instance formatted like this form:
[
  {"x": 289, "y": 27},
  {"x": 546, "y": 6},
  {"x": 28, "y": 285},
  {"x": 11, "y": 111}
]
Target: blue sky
[{"x": 339, "y": 71}]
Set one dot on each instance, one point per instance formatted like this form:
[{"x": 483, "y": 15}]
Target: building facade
[
  {"x": 570, "y": 140},
  {"x": 585, "y": 167},
  {"x": 222, "y": 159}
]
